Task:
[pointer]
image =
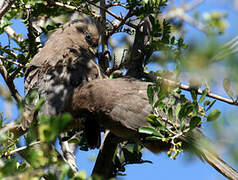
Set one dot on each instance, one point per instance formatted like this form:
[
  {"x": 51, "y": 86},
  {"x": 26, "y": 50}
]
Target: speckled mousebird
[
  {"x": 64, "y": 63},
  {"x": 66, "y": 76}
]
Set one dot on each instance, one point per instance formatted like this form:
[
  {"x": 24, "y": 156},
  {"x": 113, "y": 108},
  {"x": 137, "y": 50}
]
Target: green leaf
[
  {"x": 39, "y": 104},
  {"x": 150, "y": 131},
  {"x": 80, "y": 175},
  {"x": 194, "y": 122},
  {"x": 153, "y": 138},
  {"x": 170, "y": 112},
  {"x": 182, "y": 125},
  {"x": 178, "y": 108},
  {"x": 195, "y": 109},
  {"x": 159, "y": 104},
  {"x": 185, "y": 110},
  {"x": 206, "y": 103},
  {"x": 213, "y": 115},
  {"x": 10, "y": 168},
  {"x": 154, "y": 121},
  {"x": 209, "y": 107},
  {"x": 204, "y": 93},
  {"x": 74, "y": 140},
  {"x": 64, "y": 121},
  {"x": 227, "y": 87},
  {"x": 150, "y": 93},
  {"x": 194, "y": 95}
]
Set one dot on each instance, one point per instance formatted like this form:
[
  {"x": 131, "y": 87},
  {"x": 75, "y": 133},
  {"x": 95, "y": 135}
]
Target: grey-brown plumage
[
  {"x": 122, "y": 106},
  {"x": 64, "y": 63},
  {"x": 64, "y": 74}
]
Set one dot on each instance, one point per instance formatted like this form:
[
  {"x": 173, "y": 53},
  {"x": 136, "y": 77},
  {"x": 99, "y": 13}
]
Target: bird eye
[{"x": 88, "y": 38}]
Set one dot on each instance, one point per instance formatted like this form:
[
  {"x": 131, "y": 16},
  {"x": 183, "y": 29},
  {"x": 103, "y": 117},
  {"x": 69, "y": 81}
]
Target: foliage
[
  {"x": 165, "y": 45},
  {"x": 182, "y": 115}
]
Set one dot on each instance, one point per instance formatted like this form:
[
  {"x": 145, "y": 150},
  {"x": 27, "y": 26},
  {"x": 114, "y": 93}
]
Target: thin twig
[
  {"x": 68, "y": 154},
  {"x": 112, "y": 14},
  {"x": 104, "y": 165},
  {"x": 10, "y": 61},
  {"x": 142, "y": 37},
  {"x": 115, "y": 4},
  {"x": 10, "y": 83},
  {"x": 121, "y": 23},
  {"x": 188, "y": 88},
  {"x": 31, "y": 39},
  {"x": 63, "y": 5},
  {"x": 20, "y": 149},
  {"x": 214, "y": 96},
  {"x": 192, "y": 5},
  {"x": 179, "y": 13},
  {"x": 7, "y": 127},
  {"x": 12, "y": 34},
  {"x": 69, "y": 7},
  {"x": 6, "y": 8},
  {"x": 104, "y": 62},
  {"x": 95, "y": 15},
  {"x": 9, "y": 52}
]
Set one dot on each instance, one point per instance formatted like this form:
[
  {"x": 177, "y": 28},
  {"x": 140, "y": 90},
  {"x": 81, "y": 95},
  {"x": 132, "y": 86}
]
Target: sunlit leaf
[
  {"x": 194, "y": 122},
  {"x": 150, "y": 93},
  {"x": 150, "y": 131},
  {"x": 227, "y": 87},
  {"x": 213, "y": 115},
  {"x": 204, "y": 93}
]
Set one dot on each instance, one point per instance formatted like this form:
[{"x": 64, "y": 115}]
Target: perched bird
[
  {"x": 65, "y": 75},
  {"x": 64, "y": 63},
  {"x": 122, "y": 106}
]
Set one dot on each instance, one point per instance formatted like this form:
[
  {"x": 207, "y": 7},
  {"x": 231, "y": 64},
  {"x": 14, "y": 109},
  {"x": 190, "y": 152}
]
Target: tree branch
[
  {"x": 20, "y": 149},
  {"x": 10, "y": 61},
  {"x": 12, "y": 34},
  {"x": 68, "y": 154},
  {"x": 116, "y": 4},
  {"x": 69, "y": 7},
  {"x": 142, "y": 37},
  {"x": 10, "y": 83},
  {"x": 9, "y": 52},
  {"x": 192, "y": 5},
  {"x": 4, "y": 10},
  {"x": 188, "y": 88},
  {"x": 104, "y": 166},
  {"x": 121, "y": 23},
  {"x": 112, "y": 14},
  {"x": 179, "y": 13},
  {"x": 104, "y": 62},
  {"x": 31, "y": 38}
]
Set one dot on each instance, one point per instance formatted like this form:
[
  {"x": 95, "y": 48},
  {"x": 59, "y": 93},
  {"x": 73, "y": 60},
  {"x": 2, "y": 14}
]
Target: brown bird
[
  {"x": 122, "y": 106},
  {"x": 64, "y": 63},
  {"x": 64, "y": 74}
]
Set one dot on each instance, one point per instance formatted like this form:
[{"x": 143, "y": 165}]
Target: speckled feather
[
  {"x": 122, "y": 106},
  {"x": 63, "y": 64}
]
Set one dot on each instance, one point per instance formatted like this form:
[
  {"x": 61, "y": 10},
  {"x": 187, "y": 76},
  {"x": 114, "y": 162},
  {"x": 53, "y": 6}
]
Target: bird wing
[{"x": 121, "y": 105}]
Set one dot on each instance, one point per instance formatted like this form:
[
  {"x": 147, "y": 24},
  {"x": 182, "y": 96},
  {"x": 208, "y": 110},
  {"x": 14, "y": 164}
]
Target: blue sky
[{"x": 185, "y": 167}]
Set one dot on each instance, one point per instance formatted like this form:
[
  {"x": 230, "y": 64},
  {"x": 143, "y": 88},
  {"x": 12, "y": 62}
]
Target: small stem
[
  {"x": 10, "y": 61},
  {"x": 112, "y": 14},
  {"x": 188, "y": 88},
  {"x": 10, "y": 83},
  {"x": 4, "y": 10},
  {"x": 20, "y": 149}
]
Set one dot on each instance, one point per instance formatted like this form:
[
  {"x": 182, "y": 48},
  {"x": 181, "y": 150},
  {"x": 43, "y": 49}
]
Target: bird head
[{"x": 84, "y": 31}]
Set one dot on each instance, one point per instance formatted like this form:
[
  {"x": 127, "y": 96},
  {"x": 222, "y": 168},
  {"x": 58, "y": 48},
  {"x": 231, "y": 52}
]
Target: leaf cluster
[{"x": 174, "y": 116}]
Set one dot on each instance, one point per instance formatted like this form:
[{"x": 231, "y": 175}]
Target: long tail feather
[
  {"x": 203, "y": 147},
  {"x": 219, "y": 164}
]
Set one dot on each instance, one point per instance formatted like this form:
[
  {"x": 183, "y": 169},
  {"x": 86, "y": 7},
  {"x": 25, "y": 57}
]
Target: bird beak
[{"x": 93, "y": 51}]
